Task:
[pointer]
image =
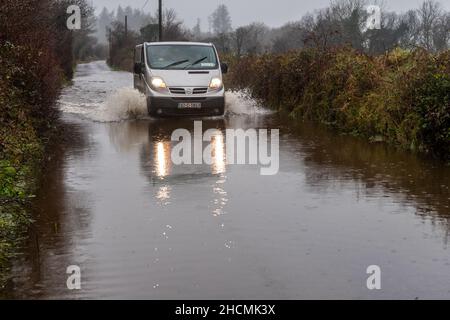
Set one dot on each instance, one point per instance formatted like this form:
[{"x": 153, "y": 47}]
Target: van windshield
[{"x": 181, "y": 57}]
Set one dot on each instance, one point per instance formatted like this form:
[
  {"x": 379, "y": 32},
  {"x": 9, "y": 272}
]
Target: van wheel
[{"x": 151, "y": 110}]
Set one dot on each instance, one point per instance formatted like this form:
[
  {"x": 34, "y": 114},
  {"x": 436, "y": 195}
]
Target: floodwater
[{"x": 140, "y": 227}]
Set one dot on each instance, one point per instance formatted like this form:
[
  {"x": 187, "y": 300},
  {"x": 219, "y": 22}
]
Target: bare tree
[
  {"x": 104, "y": 21},
  {"x": 409, "y": 38},
  {"x": 394, "y": 30},
  {"x": 173, "y": 27},
  {"x": 429, "y": 14},
  {"x": 221, "y": 20},
  {"x": 289, "y": 37},
  {"x": 441, "y": 32},
  {"x": 250, "y": 39},
  {"x": 240, "y": 36},
  {"x": 197, "y": 30}
]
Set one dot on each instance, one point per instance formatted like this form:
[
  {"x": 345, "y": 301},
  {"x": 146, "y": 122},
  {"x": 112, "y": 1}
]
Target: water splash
[
  {"x": 129, "y": 104},
  {"x": 123, "y": 104},
  {"x": 240, "y": 103}
]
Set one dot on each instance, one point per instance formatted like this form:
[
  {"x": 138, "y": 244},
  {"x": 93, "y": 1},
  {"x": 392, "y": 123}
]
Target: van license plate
[{"x": 190, "y": 105}]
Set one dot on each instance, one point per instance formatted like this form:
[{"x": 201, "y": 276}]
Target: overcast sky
[{"x": 272, "y": 12}]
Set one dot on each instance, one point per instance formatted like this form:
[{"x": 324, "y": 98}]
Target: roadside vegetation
[
  {"x": 390, "y": 84},
  {"x": 37, "y": 57},
  {"x": 401, "y": 97}
]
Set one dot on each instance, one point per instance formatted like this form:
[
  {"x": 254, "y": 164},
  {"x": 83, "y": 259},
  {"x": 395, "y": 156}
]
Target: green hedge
[
  {"x": 30, "y": 81},
  {"x": 402, "y": 97}
]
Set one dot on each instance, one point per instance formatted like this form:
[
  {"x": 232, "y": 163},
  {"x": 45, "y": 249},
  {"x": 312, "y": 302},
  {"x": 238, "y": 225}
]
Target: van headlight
[
  {"x": 158, "y": 83},
  {"x": 216, "y": 84}
]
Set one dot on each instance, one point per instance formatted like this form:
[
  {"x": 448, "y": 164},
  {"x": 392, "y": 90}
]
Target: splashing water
[
  {"x": 240, "y": 103},
  {"x": 123, "y": 104},
  {"x": 129, "y": 104}
]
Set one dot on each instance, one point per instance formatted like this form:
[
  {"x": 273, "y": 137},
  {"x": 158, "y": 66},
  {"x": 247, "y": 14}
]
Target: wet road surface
[{"x": 139, "y": 227}]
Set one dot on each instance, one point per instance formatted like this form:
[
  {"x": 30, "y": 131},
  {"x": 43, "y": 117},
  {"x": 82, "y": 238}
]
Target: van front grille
[
  {"x": 177, "y": 90},
  {"x": 202, "y": 90}
]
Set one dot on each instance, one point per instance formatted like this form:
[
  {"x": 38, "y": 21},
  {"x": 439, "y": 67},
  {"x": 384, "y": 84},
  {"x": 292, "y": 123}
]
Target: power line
[{"x": 146, "y": 2}]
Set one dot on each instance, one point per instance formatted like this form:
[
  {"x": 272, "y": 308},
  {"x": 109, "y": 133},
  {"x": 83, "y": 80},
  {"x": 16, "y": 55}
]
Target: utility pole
[
  {"x": 160, "y": 13},
  {"x": 110, "y": 45},
  {"x": 126, "y": 27}
]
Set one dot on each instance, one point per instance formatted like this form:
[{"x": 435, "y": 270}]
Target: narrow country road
[{"x": 112, "y": 203}]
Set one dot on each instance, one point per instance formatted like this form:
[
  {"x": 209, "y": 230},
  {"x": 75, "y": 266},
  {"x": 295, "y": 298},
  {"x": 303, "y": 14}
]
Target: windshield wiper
[
  {"x": 196, "y": 62},
  {"x": 175, "y": 64}
]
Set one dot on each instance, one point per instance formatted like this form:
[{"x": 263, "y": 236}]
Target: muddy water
[{"x": 112, "y": 203}]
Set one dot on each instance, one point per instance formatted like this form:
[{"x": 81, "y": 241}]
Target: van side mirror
[
  {"x": 224, "y": 68},
  {"x": 138, "y": 68}
]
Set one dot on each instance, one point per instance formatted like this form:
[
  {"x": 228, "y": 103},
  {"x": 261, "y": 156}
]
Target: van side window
[{"x": 142, "y": 54}]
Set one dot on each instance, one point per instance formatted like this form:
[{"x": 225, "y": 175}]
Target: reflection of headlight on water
[
  {"x": 163, "y": 193},
  {"x": 162, "y": 160},
  {"x": 218, "y": 154},
  {"x": 163, "y": 157}
]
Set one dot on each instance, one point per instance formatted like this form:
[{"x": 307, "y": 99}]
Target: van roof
[{"x": 179, "y": 43}]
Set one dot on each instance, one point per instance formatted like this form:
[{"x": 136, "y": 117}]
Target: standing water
[{"x": 112, "y": 203}]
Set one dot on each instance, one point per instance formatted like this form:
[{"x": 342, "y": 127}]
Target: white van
[{"x": 180, "y": 78}]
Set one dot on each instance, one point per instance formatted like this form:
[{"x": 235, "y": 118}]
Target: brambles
[{"x": 402, "y": 97}]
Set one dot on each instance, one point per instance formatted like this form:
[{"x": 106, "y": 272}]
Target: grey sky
[{"x": 243, "y": 12}]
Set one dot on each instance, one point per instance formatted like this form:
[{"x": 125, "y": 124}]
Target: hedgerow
[{"x": 402, "y": 97}]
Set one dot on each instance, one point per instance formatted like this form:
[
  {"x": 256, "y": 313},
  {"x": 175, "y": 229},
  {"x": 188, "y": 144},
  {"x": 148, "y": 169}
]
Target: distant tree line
[
  {"x": 106, "y": 20},
  {"x": 343, "y": 23}
]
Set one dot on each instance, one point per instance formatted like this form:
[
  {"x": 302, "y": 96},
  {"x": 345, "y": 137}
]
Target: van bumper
[{"x": 170, "y": 106}]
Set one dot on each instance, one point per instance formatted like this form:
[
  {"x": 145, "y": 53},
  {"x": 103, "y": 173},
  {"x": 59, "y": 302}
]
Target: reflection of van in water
[{"x": 180, "y": 78}]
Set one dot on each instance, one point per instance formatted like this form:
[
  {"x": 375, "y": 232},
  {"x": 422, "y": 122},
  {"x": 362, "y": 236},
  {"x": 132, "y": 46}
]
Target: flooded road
[{"x": 139, "y": 227}]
